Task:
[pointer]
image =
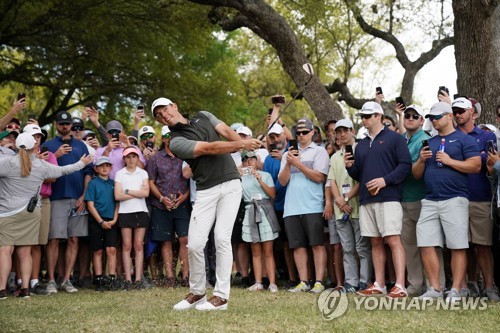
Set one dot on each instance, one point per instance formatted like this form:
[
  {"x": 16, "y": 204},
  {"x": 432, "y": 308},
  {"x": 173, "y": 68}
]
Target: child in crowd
[{"x": 103, "y": 232}]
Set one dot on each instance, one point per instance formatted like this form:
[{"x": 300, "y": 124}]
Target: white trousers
[{"x": 218, "y": 204}]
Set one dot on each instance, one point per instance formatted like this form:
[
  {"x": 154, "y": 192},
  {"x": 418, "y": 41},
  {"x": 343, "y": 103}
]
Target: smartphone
[
  {"x": 140, "y": 107},
  {"x": 455, "y": 96},
  {"x": 20, "y": 96},
  {"x": 425, "y": 143},
  {"x": 44, "y": 149},
  {"x": 273, "y": 146},
  {"x": 378, "y": 90},
  {"x": 348, "y": 149},
  {"x": 32, "y": 116},
  {"x": 150, "y": 144},
  {"x": 400, "y": 100},
  {"x": 270, "y": 111},
  {"x": 89, "y": 105},
  {"x": 115, "y": 135},
  {"x": 278, "y": 99},
  {"x": 67, "y": 142},
  {"x": 293, "y": 143},
  {"x": 491, "y": 146},
  {"x": 443, "y": 88}
]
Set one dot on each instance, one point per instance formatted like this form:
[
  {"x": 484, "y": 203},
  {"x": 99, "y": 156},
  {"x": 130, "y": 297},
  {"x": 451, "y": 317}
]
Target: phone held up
[
  {"x": 400, "y": 100},
  {"x": 443, "y": 88},
  {"x": 150, "y": 144},
  {"x": 425, "y": 143},
  {"x": 378, "y": 90},
  {"x": 491, "y": 146},
  {"x": 67, "y": 142},
  {"x": 20, "y": 96},
  {"x": 44, "y": 149},
  {"x": 348, "y": 149},
  {"x": 293, "y": 143},
  {"x": 279, "y": 99}
]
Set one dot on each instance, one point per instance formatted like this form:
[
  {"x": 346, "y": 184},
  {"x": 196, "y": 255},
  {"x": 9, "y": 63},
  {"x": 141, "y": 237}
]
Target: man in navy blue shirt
[
  {"x": 381, "y": 164},
  {"x": 480, "y": 221},
  {"x": 67, "y": 202},
  {"x": 444, "y": 217}
]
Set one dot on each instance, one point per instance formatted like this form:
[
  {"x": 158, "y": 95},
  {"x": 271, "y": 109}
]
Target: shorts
[
  {"x": 381, "y": 219},
  {"x": 164, "y": 224},
  {"x": 133, "y": 220},
  {"x": 236, "y": 236},
  {"x": 480, "y": 223},
  {"x": 100, "y": 238},
  {"x": 20, "y": 229},
  {"x": 332, "y": 229},
  {"x": 281, "y": 221},
  {"x": 62, "y": 225},
  {"x": 445, "y": 221},
  {"x": 43, "y": 234},
  {"x": 304, "y": 230}
]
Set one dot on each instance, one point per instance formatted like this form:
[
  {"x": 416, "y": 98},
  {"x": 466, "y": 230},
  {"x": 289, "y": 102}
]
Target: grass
[{"x": 151, "y": 311}]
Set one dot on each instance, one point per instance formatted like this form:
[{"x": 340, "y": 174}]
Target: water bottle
[{"x": 441, "y": 148}]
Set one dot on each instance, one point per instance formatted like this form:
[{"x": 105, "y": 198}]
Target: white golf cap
[
  {"x": 489, "y": 127},
  {"x": 347, "y": 123},
  {"x": 439, "y": 109},
  {"x": 32, "y": 129},
  {"x": 165, "y": 130},
  {"x": 276, "y": 129},
  {"x": 244, "y": 130},
  {"x": 25, "y": 141},
  {"x": 146, "y": 129},
  {"x": 370, "y": 108},
  {"x": 415, "y": 108},
  {"x": 162, "y": 101},
  {"x": 462, "y": 103}
]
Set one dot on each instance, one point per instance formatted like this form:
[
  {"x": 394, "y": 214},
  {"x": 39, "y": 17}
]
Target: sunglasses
[
  {"x": 432, "y": 118},
  {"x": 387, "y": 124},
  {"x": 77, "y": 128},
  {"x": 114, "y": 132},
  {"x": 13, "y": 127},
  {"x": 146, "y": 136},
  {"x": 89, "y": 138},
  {"x": 366, "y": 116},
  {"x": 303, "y": 133},
  {"x": 458, "y": 111},
  {"x": 166, "y": 136},
  {"x": 412, "y": 116}
]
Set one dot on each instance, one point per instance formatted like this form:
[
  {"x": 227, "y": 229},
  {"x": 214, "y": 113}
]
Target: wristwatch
[
  {"x": 126, "y": 191},
  {"x": 101, "y": 223}
]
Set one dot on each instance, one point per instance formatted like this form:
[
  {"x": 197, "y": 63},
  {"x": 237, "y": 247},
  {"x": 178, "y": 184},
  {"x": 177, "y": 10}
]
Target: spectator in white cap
[
  {"x": 246, "y": 134},
  {"x": 21, "y": 177},
  {"x": 91, "y": 140},
  {"x": 381, "y": 164},
  {"x": 197, "y": 141},
  {"x": 147, "y": 141}
]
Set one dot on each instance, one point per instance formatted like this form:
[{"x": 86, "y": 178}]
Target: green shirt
[
  {"x": 413, "y": 189},
  {"x": 339, "y": 174}
]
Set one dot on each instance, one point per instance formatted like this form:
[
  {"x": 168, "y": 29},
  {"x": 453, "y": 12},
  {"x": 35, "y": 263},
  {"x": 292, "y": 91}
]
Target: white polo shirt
[{"x": 132, "y": 181}]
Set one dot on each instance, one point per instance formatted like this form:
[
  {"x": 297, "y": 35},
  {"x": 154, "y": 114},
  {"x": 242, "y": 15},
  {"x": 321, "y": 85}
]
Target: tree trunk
[{"x": 477, "y": 53}]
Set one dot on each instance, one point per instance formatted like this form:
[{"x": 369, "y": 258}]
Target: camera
[
  {"x": 279, "y": 99},
  {"x": 246, "y": 171},
  {"x": 32, "y": 203}
]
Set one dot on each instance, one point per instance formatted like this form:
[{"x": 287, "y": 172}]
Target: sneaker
[
  {"x": 414, "y": 290},
  {"x": 373, "y": 290},
  {"x": 431, "y": 294},
  {"x": 317, "y": 288},
  {"x": 397, "y": 292},
  {"x": 453, "y": 296},
  {"x": 68, "y": 287},
  {"x": 99, "y": 284},
  {"x": 492, "y": 294},
  {"x": 137, "y": 285},
  {"x": 3, "y": 294},
  {"x": 114, "y": 284},
  {"x": 349, "y": 289},
  {"x": 362, "y": 286},
  {"x": 256, "y": 287},
  {"x": 473, "y": 289},
  {"x": 290, "y": 284},
  {"x": 236, "y": 279},
  {"x": 23, "y": 293},
  {"x": 170, "y": 282},
  {"x": 266, "y": 282},
  {"x": 85, "y": 282},
  {"x": 127, "y": 285},
  {"x": 51, "y": 287},
  {"x": 464, "y": 292},
  {"x": 245, "y": 282},
  {"x": 190, "y": 301},
  {"x": 273, "y": 288},
  {"x": 302, "y": 286},
  {"x": 145, "y": 283},
  {"x": 39, "y": 290},
  {"x": 185, "y": 282},
  {"x": 214, "y": 303}
]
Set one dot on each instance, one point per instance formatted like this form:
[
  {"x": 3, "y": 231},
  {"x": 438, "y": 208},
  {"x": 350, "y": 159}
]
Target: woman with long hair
[{"x": 21, "y": 177}]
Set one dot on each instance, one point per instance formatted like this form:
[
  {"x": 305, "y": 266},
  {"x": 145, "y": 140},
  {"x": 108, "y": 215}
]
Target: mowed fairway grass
[{"x": 151, "y": 311}]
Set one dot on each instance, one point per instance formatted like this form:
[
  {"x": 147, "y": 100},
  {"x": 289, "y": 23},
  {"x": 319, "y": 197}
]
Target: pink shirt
[{"x": 46, "y": 189}]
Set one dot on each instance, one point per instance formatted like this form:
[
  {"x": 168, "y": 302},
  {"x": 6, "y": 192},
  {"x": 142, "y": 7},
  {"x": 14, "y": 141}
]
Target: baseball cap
[
  {"x": 438, "y": 109},
  {"x": 304, "y": 124},
  {"x": 87, "y": 133},
  {"x": 78, "y": 122},
  {"x": 162, "y": 101},
  {"x": 462, "y": 103},
  {"x": 347, "y": 123},
  {"x": 415, "y": 108},
  {"x": 114, "y": 125},
  {"x": 489, "y": 127},
  {"x": 146, "y": 129},
  {"x": 244, "y": 130},
  {"x": 276, "y": 129},
  {"x": 25, "y": 141},
  {"x": 246, "y": 154},
  {"x": 370, "y": 108},
  {"x": 131, "y": 150},
  {"x": 4, "y": 134},
  {"x": 15, "y": 121},
  {"x": 63, "y": 117},
  {"x": 476, "y": 105},
  {"x": 33, "y": 129},
  {"x": 165, "y": 130},
  {"x": 103, "y": 160},
  {"x": 235, "y": 126}
]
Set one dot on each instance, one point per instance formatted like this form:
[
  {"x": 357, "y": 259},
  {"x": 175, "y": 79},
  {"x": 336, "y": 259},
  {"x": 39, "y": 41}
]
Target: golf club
[{"x": 308, "y": 68}]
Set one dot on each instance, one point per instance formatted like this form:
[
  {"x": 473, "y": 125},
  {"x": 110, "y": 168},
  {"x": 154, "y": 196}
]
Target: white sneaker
[
  {"x": 301, "y": 287},
  {"x": 317, "y": 288},
  {"x": 68, "y": 287},
  {"x": 214, "y": 303},
  {"x": 51, "y": 287},
  {"x": 190, "y": 301},
  {"x": 256, "y": 287},
  {"x": 431, "y": 294},
  {"x": 453, "y": 296},
  {"x": 273, "y": 288}
]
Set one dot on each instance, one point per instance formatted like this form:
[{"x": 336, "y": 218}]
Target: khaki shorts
[
  {"x": 480, "y": 223},
  {"x": 43, "y": 235},
  {"x": 381, "y": 219},
  {"x": 20, "y": 229},
  {"x": 444, "y": 221}
]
